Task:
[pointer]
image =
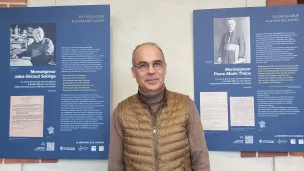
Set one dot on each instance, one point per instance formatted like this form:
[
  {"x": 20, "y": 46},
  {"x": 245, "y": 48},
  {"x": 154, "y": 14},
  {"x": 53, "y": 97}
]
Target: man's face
[
  {"x": 37, "y": 35},
  {"x": 149, "y": 79},
  {"x": 231, "y": 25}
]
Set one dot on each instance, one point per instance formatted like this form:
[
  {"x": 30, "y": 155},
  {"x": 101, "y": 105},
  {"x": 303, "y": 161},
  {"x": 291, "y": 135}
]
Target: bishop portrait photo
[{"x": 232, "y": 40}]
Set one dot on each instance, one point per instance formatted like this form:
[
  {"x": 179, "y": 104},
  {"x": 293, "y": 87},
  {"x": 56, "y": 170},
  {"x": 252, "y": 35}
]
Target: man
[
  {"x": 156, "y": 129},
  {"x": 40, "y": 51},
  {"x": 232, "y": 47}
]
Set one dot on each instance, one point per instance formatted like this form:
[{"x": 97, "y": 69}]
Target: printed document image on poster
[
  {"x": 242, "y": 111},
  {"x": 26, "y": 116},
  {"x": 214, "y": 110}
]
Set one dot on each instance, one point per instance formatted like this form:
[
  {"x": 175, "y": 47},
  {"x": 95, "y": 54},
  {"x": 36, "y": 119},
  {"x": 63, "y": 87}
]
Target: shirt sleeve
[
  {"x": 49, "y": 47},
  {"x": 198, "y": 146},
  {"x": 115, "y": 161}
]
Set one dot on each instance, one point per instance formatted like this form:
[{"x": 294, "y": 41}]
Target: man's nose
[{"x": 151, "y": 70}]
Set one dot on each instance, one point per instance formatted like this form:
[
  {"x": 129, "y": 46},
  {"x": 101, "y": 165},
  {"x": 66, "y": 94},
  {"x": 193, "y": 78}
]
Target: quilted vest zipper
[{"x": 154, "y": 142}]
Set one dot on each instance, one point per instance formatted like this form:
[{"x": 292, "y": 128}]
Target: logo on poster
[
  {"x": 280, "y": 141},
  {"x": 293, "y": 141},
  {"x": 301, "y": 141},
  {"x": 67, "y": 148},
  {"x": 51, "y": 130},
  {"x": 262, "y": 124},
  {"x": 101, "y": 148},
  {"x": 266, "y": 141},
  {"x": 83, "y": 148},
  {"x": 39, "y": 149},
  {"x": 239, "y": 141}
]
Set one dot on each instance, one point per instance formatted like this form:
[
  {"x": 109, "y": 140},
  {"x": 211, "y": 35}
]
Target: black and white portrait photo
[
  {"x": 32, "y": 44},
  {"x": 232, "y": 40}
]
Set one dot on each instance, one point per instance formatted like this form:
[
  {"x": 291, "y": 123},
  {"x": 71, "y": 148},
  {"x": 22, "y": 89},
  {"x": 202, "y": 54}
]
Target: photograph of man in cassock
[{"x": 232, "y": 46}]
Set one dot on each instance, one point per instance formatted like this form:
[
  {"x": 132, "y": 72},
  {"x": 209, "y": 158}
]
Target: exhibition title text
[
  {"x": 89, "y": 19},
  {"x": 234, "y": 71},
  {"x": 284, "y": 18},
  {"x": 48, "y": 74}
]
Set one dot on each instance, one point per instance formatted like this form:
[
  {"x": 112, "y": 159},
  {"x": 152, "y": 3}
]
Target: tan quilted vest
[{"x": 164, "y": 149}]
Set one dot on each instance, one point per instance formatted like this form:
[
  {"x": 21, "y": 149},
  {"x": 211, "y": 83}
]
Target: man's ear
[
  {"x": 165, "y": 69},
  {"x": 133, "y": 72}
]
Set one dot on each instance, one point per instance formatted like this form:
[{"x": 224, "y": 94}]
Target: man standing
[
  {"x": 232, "y": 47},
  {"x": 156, "y": 129}
]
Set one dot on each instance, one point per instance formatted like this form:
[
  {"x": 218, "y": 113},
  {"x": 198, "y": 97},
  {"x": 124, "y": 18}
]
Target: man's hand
[
  {"x": 219, "y": 60},
  {"x": 14, "y": 56}
]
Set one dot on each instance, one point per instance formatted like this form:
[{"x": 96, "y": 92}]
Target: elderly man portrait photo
[{"x": 31, "y": 46}]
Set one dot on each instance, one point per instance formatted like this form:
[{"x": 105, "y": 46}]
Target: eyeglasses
[{"x": 143, "y": 66}]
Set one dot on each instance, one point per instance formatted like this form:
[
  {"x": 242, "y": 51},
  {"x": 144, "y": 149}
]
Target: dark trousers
[{"x": 40, "y": 60}]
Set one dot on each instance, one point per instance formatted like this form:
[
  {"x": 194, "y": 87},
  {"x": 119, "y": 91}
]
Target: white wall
[{"x": 169, "y": 23}]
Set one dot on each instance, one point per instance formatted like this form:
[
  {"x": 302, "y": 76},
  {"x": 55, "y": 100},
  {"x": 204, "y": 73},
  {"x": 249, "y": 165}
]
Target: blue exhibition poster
[
  {"x": 247, "y": 72},
  {"x": 55, "y": 95}
]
